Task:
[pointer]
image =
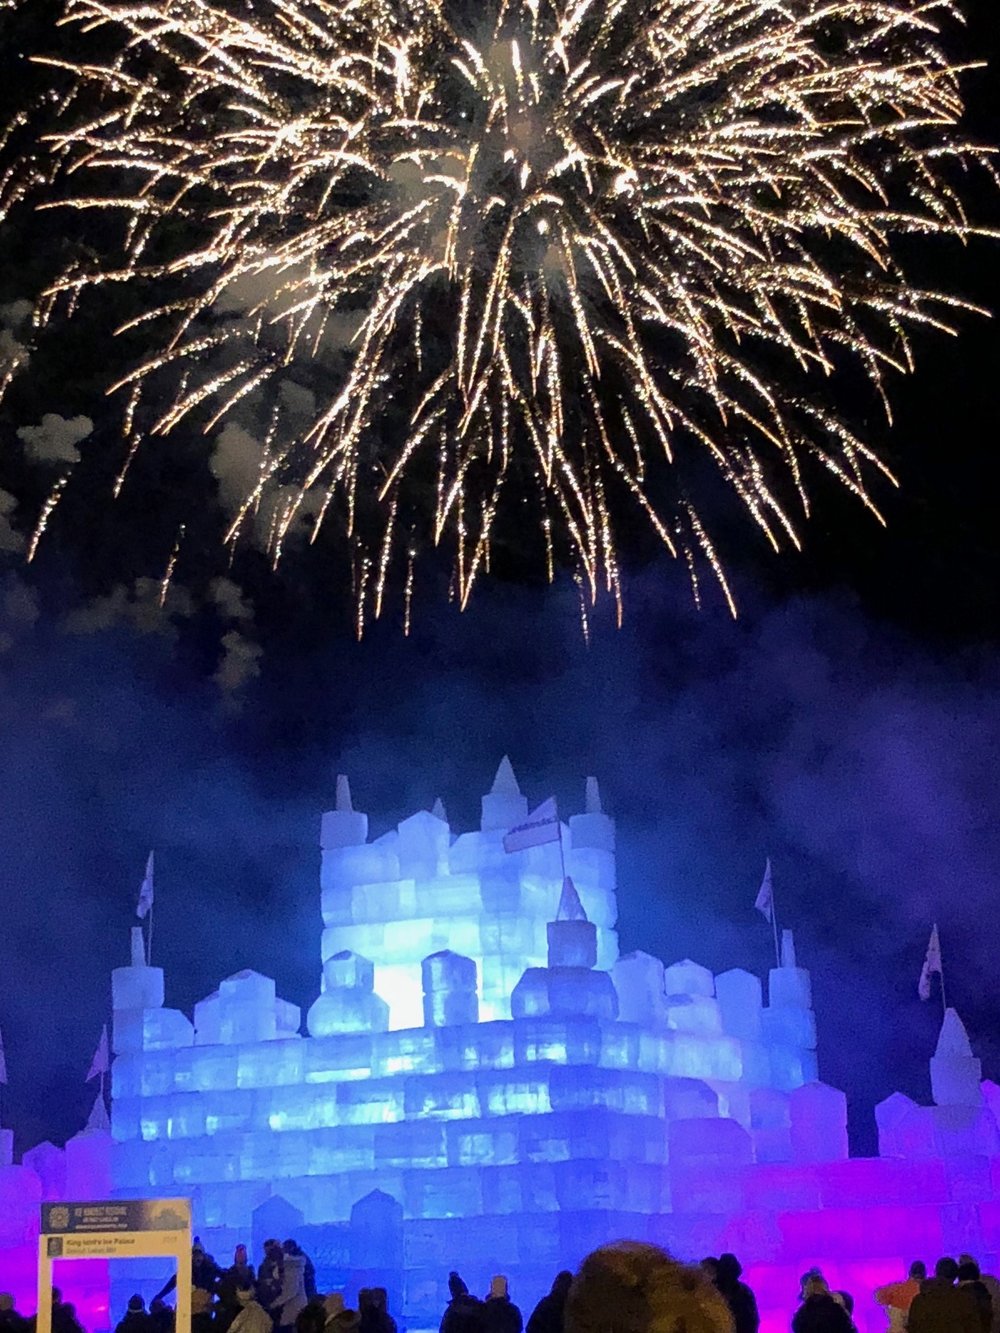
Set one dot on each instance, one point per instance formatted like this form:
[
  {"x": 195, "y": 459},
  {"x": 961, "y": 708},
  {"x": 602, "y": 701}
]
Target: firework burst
[{"x": 545, "y": 265}]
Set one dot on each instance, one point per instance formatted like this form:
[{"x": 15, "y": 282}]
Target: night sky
[{"x": 847, "y": 724}]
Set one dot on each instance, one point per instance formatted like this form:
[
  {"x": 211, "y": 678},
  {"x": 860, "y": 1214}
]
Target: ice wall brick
[
  {"x": 450, "y": 989},
  {"x": 740, "y": 1004},
  {"x": 137, "y": 987},
  {"x": 770, "y": 1125},
  {"x": 424, "y": 842},
  {"x": 166, "y": 1029},
  {"x": 688, "y": 978},
  {"x": 566, "y": 991},
  {"x": 789, "y": 1027},
  {"x": 789, "y": 987},
  {"x": 49, "y": 1164},
  {"x": 693, "y": 1013},
  {"x": 638, "y": 979},
  {"x": 818, "y": 1123},
  {"x": 343, "y": 826},
  {"x": 704, "y": 1143},
  {"x": 572, "y": 943}
]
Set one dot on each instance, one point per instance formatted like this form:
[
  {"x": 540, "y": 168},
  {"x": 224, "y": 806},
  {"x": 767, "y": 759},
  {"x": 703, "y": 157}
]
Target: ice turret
[
  {"x": 955, "y": 1072},
  {"x": 572, "y": 938},
  {"x": 438, "y": 810},
  {"x": 136, "y": 990},
  {"x": 343, "y": 826},
  {"x": 568, "y": 985},
  {"x": 503, "y": 806}
]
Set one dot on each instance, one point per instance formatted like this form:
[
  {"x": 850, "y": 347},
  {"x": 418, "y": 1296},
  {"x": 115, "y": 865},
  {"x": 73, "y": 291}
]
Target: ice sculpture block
[
  {"x": 343, "y": 826},
  {"x": 450, "y": 989},
  {"x": 740, "y": 1003},
  {"x": 348, "y": 1002},
  {"x": 504, "y": 806},
  {"x": 955, "y": 1073},
  {"x": 818, "y": 1123}
]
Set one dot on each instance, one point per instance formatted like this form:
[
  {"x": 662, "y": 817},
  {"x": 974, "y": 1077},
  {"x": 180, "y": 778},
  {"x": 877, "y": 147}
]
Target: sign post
[{"x": 116, "y": 1229}]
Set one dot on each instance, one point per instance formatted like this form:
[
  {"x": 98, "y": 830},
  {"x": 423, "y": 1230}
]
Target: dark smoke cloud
[{"x": 859, "y": 761}]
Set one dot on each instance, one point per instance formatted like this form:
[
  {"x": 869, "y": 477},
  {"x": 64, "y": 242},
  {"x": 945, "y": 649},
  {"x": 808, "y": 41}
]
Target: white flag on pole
[
  {"x": 146, "y": 892},
  {"x": 541, "y": 826},
  {"x": 932, "y": 964},
  {"x": 100, "y": 1062},
  {"x": 765, "y": 895}
]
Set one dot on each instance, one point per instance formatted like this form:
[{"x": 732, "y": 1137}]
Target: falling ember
[
  {"x": 168, "y": 573},
  {"x": 544, "y": 267}
]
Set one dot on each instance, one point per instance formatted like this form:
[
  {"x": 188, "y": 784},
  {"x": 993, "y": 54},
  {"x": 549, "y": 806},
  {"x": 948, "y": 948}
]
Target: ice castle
[{"x": 488, "y": 1084}]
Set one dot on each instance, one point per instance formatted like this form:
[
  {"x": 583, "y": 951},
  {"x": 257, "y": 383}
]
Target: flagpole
[
  {"x": 944, "y": 998},
  {"x": 774, "y": 927},
  {"x": 149, "y": 938}
]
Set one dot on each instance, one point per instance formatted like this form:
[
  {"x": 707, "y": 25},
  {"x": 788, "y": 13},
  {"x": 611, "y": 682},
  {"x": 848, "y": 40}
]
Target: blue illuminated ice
[{"x": 484, "y": 1080}]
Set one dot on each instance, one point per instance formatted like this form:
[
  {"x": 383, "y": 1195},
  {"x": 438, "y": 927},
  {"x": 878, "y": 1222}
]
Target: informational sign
[{"x": 116, "y": 1229}]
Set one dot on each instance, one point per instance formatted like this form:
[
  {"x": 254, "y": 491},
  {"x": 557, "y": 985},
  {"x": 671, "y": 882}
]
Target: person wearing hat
[
  {"x": 135, "y": 1319},
  {"x": 463, "y": 1313}
]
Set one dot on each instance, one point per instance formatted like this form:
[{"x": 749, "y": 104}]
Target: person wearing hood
[
  {"x": 292, "y": 1297},
  {"x": 737, "y": 1295},
  {"x": 464, "y": 1313},
  {"x": 135, "y": 1319},
  {"x": 251, "y": 1317},
  {"x": 820, "y": 1311},
  {"x": 339, "y": 1319},
  {"x": 375, "y": 1318},
  {"x": 500, "y": 1314},
  {"x": 547, "y": 1316}
]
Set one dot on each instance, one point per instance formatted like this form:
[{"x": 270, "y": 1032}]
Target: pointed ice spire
[
  {"x": 592, "y": 803},
  {"x": 570, "y": 907},
  {"x": 572, "y": 938},
  {"x": 953, "y": 1042},
  {"x": 503, "y": 804},
  {"x": 956, "y": 1074},
  {"x": 137, "y": 947},
  {"x": 344, "y": 804},
  {"x": 438, "y": 810},
  {"x": 97, "y": 1121},
  {"x": 788, "y": 949},
  {"x": 505, "y": 783}
]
